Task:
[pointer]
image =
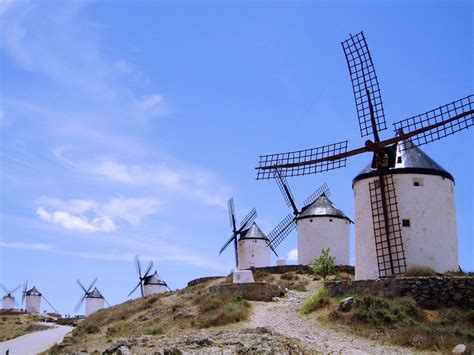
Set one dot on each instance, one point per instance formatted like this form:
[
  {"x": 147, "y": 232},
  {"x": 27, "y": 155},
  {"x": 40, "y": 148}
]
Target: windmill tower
[
  {"x": 149, "y": 284},
  {"x": 32, "y": 299},
  {"x": 94, "y": 299},
  {"x": 319, "y": 225},
  {"x": 251, "y": 245},
  {"x": 8, "y": 300},
  {"x": 404, "y": 196}
]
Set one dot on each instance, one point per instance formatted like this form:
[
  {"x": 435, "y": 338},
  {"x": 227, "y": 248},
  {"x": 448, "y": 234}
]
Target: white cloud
[
  {"x": 293, "y": 255},
  {"x": 29, "y": 246},
  {"x": 80, "y": 223},
  {"x": 150, "y": 101}
]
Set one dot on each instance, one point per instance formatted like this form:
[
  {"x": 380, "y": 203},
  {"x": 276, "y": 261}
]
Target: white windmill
[
  {"x": 149, "y": 284},
  {"x": 251, "y": 245},
  {"x": 404, "y": 201},
  {"x": 32, "y": 299},
  {"x": 8, "y": 300},
  {"x": 319, "y": 225},
  {"x": 94, "y": 299}
]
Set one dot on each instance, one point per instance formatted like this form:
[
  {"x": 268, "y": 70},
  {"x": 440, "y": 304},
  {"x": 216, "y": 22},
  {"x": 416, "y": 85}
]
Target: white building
[
  {"x": 426, "y": 209},
  {"x": 94, "y": 302},
  {"x": 322, "y": 225},
  {"x": 253, "y": 249},
  {"x": 8, "y": 302},
  {"x": 153, "y": 284},
  {"x": 33, "y": 300}
]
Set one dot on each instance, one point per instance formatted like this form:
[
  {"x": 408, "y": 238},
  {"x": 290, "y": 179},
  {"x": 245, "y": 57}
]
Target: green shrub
[
  {"x": 289, "y": 276},
  {"x": 117, "y": 329},
  {"x": 88, "y": 328},
  {"x": 319, "y": 300},
  {"x": 324, "y": 265},
  {"x": 420, "y": 271},
  {"x": 153, "y": 330},
  {"x": 379, "y": 311},
  {"x": 215, "y": 310}
]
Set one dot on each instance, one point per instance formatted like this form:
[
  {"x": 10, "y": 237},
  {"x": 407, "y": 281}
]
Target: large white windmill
[
  {"x": 94, "y": 299},
  {"x": 319, "y": 225},
  {"x": 32, "y": 299},
  {"x": 405, "y": 209},
  {"x": 149, "y": 284},
  {"x": 8, "y": 300}
]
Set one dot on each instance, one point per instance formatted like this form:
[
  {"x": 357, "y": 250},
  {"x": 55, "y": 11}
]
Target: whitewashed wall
[
  {"x": 33, "y": 304},
  {"x": 93, "y": 304},
  {"x": 153, "y": 289},
  {"x": 8, "y": 302},
  {"x": 317, "y": 233},
  {"x": 253, "y": 253},
  {"x": 431, "y": 239}
]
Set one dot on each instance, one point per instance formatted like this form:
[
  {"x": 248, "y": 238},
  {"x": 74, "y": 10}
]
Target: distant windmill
[
  {"x": 402, "y": 182},
  {"x": 94, "y": 299},
  {"x": 251, "y": 245},
  {"x": 8, "y": 298},
  {"x": 320, "y": 225},
  {"x": 149, "y": 284},
  {"x": 32, "y": 299}
]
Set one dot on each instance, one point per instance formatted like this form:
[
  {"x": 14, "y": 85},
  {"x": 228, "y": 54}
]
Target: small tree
[{"x": 324, "y": 265}]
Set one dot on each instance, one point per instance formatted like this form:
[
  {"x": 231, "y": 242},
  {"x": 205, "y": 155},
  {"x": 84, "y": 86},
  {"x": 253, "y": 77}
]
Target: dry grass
[
  {"x": 420, "y": 271},
  {"x": 399, "y": 321},
  {"x": 13, "y": 325},
  {"x": 217, "y": 310}
]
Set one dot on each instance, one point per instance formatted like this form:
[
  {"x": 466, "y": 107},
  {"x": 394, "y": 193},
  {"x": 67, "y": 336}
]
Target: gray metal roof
[
  {"x": 154, "y": 279},
  {"x": 33, "y": 292},
  {"x": 95, "y": 293},
  {"x": 253, "y": 232},
  {"x": 322, "y": 207},
  {"x": 406, "y": 158}
]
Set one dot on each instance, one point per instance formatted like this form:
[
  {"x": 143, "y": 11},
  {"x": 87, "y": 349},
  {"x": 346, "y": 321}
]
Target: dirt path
[
  {"x": 282, "y": 317},
  {"x": 36, "y": 342}
]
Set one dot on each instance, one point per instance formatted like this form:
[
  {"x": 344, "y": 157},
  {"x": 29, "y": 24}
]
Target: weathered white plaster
[
  {"x": 33, "y": 303},
  {"x": 322, "y": 232},
  {"x": 253, "y": 253},
  {"x": 242, "y": 276},
  {"x": 94, "y": 304},
  {"x": 8, "y": 302},
  {"x": 151, "y": 289},
  {"x": 431, "y": 239}
]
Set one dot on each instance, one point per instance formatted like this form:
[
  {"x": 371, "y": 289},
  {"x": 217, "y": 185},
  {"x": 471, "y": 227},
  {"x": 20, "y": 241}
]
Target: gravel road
[
  {"x": 36, "y": 342},
  {"x": 282, "y": 317}
]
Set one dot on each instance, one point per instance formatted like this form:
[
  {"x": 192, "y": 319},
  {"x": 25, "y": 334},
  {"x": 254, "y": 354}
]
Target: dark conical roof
[
  {"x": 253, "y": 232},
  {"x": 95, "y": 293},
  {"x": 405, "y": 158},
  {"x": 322, "y": 207},
  {"x": 154, "y": 279},
  {"x": 33, "y": 292}
]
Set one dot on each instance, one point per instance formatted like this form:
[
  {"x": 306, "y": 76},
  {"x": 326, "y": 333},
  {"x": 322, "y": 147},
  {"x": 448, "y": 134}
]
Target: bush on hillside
[
  {"x": 215, "y": 310},
  {"x": 324, "y": 265},
  {"x": 319, "y": 300},
  {"x": 420, "y": 271}
]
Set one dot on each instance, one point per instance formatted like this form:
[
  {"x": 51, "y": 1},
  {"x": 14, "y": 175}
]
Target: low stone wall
[
  {"x": 204, "y": 279},
  {"x": 301, "y": 269},
  {"x": 429, "y": 292},
  {"x": 255, "y": 291}
]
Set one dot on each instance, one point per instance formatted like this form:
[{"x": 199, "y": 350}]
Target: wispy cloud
[
  {"x": 292, "y": 255},
  {"x": 29, "y": 246},
  {"x": 79, "y": 223}
]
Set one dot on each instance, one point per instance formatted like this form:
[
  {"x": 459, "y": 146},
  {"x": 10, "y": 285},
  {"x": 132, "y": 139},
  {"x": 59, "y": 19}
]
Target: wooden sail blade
[
  {"x": 232, "y": 217},
  {"x": 303, "y": 162},
  {"x": 234, "y": 235},
  {"x": 365, "y": 84},
  {"x": 323, "y": 189},
  {"x": 438, "y": 123},
  {"x": 387, "y": 230},
  {"x": 282, "y": 230},
  {"x": 248, "y": 220},
  {"x": 285, "y": 189}
]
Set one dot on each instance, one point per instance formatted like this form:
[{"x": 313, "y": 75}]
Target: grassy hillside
[{"x": 13, "y": 324}]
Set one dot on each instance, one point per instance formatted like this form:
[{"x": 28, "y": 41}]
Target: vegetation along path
[
  {"x": 282, "y": 317},
  {"x": 37, "y": 342}
]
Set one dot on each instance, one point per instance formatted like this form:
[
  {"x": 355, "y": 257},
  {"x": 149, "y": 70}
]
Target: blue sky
[{"x": 126, "y": 126}]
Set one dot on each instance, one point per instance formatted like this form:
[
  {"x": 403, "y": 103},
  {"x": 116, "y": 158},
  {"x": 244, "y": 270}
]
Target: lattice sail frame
[
  {"x": 437, "y": 116},
  {"x": 364, "y": 83},
  {"x": 304, "y": 159},
  {"x": 281, "y": 231},
  {"x": 389, "y": 248}
]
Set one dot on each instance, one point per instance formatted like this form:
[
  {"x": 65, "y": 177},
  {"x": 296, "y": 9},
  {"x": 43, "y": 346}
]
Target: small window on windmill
[
  {"x": 417, "y": 182},
  {"x": 405, "y": 222},
  {"x": 311, "y": 220},
  {"x": 330, "y": 219},
  {"x": 399, "y": 160}
]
